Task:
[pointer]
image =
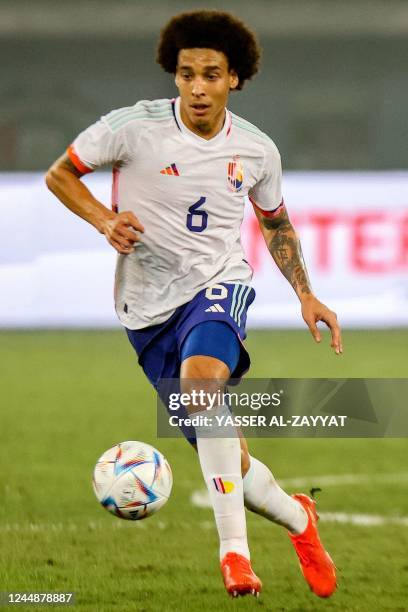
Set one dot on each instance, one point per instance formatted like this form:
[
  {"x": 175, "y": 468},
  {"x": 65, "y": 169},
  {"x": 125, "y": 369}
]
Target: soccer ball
[{"x": 132, "y": 480}]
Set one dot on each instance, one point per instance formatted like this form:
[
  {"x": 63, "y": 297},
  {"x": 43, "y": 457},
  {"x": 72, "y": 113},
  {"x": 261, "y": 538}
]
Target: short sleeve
[
  {"x": 266, "y": 194},
  {"x": 97, "y": 146}
]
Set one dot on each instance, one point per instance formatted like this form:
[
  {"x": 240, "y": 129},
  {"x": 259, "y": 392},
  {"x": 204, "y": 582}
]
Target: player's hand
[
  {"x": 123, "y": 232},
  {"x": 313, "y": 311}
]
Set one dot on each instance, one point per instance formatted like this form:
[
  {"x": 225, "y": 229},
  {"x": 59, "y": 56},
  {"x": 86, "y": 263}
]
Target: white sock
[
  {"x": 264, "y": 496},
  {"x": 220, "y": 460}
]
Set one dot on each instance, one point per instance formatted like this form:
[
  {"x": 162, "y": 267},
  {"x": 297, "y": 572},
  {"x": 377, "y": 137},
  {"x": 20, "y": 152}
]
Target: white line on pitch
[
  {"x": 332, "y": 480},
  {"x": 366, "y": 520},
  {"x": 72, "y": 527},
  {"x": 201, "y": 500}
]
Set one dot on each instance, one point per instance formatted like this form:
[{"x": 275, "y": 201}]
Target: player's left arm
[{"x": 284, "y": 246}]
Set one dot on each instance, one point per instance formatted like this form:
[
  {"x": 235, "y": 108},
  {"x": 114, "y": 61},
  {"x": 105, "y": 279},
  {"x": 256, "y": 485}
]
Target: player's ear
[{"x": 234, "y": 80}]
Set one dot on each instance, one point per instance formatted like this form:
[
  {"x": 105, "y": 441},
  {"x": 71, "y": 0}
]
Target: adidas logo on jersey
[
  {"x": 171, "y": 170},
  {"x": 215, "y": 308}
]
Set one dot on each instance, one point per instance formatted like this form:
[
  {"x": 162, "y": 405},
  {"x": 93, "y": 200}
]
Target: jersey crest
[{"x": 235, "y": 174}]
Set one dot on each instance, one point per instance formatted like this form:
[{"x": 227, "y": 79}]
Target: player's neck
[{"x": 206, "y": 130}]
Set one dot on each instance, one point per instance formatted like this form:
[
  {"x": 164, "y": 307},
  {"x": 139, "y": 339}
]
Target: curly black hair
[{"x": 210, "y": 30}]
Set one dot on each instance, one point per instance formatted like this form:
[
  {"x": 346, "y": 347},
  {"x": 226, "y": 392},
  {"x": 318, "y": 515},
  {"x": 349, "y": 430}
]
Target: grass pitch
[{"x": 68, "y": 396}]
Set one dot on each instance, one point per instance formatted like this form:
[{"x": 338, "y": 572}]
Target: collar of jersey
[{"x": 220, "y": 137}]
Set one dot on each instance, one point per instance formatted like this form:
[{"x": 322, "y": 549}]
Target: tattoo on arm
[{"x": 284, "y": 246}]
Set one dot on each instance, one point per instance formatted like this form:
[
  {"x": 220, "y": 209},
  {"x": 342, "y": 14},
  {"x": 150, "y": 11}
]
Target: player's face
[{"x": 204, "y": 81}]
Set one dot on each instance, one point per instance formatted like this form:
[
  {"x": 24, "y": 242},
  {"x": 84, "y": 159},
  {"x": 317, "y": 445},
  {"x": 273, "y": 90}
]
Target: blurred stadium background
[{"x": 333, "y": 94}]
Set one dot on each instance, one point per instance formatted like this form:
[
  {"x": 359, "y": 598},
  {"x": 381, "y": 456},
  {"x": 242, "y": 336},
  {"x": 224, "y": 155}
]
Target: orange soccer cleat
[
  {"x": 316, "y": 564},
  {"x": 239, "y": 578}
]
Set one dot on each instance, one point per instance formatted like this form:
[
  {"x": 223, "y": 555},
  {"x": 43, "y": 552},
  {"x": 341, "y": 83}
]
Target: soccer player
[{"x": 181, "y": 171}]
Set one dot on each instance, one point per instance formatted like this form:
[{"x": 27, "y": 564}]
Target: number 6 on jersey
[{"x": 197, "y": 219}]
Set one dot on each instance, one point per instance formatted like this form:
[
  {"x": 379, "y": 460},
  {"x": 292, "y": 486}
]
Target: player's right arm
[
  {"x": 64, "y": 180},
  {"x": 122, "y": 230}
]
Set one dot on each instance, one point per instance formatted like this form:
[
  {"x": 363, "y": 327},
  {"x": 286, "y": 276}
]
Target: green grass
[{"x": 68, "y": 396}]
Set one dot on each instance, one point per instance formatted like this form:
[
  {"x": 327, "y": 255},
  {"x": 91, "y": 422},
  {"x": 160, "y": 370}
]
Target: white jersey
[{"x": 188, "y": 193}]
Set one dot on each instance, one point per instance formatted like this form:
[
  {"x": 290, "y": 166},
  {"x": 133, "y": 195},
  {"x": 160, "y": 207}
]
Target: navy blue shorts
[{"x": 159, "y": 346}]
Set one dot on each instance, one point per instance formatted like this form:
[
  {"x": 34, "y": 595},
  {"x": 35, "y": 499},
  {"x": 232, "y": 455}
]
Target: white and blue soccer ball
[{"x": 132, "y": 480}]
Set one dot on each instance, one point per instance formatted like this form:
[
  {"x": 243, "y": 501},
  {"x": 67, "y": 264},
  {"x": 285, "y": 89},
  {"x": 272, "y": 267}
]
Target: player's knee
[
  {"x": 202, "y": 367},
  {"x": 201, "y": 378}
]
